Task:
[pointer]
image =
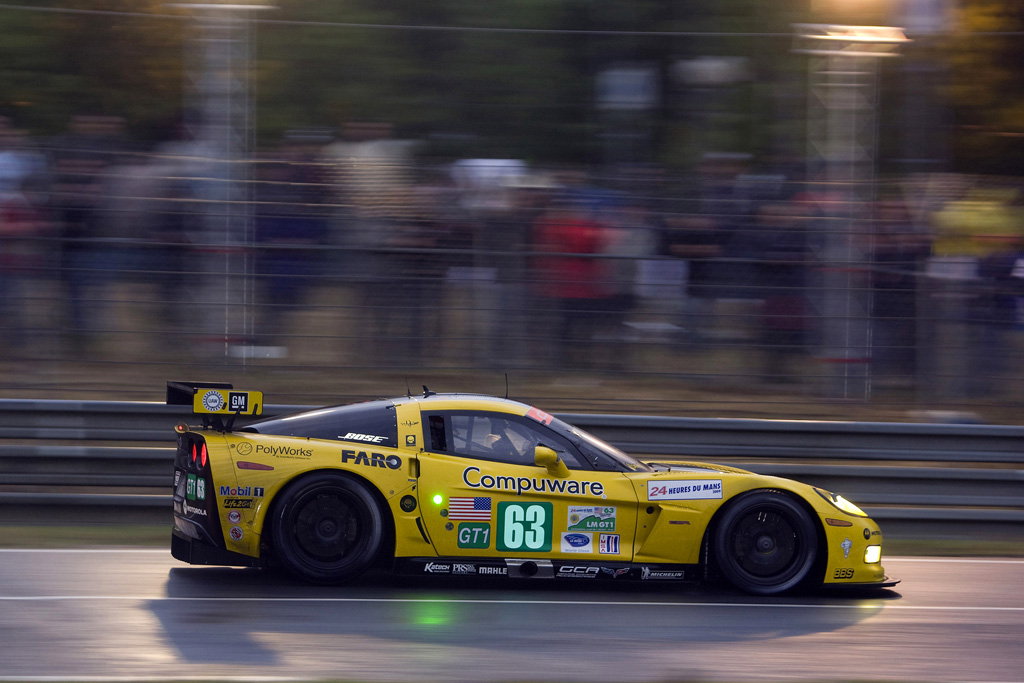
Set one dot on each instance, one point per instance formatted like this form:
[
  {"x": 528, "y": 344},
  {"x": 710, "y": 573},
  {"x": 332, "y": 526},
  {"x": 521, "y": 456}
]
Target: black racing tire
[
  {"x": 326, "y": 528},
  {"x": 765, "y": 543}
]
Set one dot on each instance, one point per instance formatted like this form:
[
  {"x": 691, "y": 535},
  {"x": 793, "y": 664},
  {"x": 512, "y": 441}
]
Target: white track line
[{"x": 486, "y": 601}]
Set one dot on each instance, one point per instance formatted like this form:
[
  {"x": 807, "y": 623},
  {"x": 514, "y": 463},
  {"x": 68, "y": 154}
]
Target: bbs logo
[{"x": 844, "y": 573}]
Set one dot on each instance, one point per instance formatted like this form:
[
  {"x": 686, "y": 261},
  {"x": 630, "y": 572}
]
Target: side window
[
  {"x": 438, "y": 434},
  {"x": 495, "y": 436}
]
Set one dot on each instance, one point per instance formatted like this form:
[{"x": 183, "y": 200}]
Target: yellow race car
[{"x": 460, "y": 484}]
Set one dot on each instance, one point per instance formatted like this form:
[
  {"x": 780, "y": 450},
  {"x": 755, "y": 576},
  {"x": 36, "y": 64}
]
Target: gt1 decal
[
  {"x": 524, "y": 527},
  {"x": 704, "y": 489},
  {"x": 474, "y": 535},
  {"x": 608, "y": 544},
  {"x": 591, "y": 518},
  {"x": 471, "y": 478},
  {"x": 844, "y": 573},
  {"x": 368, "y": 438},
  {"x": 577, "y": 543},
  {"x": 392, "y": 462},
  {"x": 195, "y": 488}
]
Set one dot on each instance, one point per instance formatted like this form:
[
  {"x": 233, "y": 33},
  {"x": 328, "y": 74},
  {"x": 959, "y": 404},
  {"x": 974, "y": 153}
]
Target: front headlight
[
  {"x": 873, "y": 554},
  {"x": 840, "y": 502}
]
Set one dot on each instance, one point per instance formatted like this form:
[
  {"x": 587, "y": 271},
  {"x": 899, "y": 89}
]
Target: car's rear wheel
[
  {"x": 326, "y": 528},
  {"x": 765, "y": 543}
]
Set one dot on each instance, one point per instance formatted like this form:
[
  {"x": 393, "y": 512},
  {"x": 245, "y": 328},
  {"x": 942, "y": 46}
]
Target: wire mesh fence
[{"x": 343, "y": 268}]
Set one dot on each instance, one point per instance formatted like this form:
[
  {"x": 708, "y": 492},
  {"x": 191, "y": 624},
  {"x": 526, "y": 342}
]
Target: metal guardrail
[{"x": 75, "y": 458}]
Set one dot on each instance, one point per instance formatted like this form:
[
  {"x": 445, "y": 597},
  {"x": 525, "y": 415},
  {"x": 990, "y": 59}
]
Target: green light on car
[{"x": 438, "y": 499}]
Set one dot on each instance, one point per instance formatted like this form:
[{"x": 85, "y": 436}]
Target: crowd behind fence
[{"x": 356, "y": 253}]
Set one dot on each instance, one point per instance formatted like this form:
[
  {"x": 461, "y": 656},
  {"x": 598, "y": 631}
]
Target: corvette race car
[{"x": 474, "y": 485}]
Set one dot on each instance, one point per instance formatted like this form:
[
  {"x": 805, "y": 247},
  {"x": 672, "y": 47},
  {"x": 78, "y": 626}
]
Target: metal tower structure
[
  {"x": 842, "y": 148},
  {"x": 219, "y": 100}
]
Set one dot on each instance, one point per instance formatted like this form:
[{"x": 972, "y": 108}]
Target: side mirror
[{"x": 547, "y": 458}]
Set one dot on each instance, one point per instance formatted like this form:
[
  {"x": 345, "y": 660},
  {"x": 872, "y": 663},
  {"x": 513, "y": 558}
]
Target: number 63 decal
[{"x": 524, "y": 527}]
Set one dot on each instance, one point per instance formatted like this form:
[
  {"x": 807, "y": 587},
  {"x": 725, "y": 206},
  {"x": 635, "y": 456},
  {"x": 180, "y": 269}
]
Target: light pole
[
  {"x": 842, "y": 148},
  {"x": 220, "y": 92}
]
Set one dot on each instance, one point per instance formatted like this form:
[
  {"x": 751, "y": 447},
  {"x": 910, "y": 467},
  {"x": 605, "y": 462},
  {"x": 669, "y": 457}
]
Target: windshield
[{"x": 603, "y": 455}]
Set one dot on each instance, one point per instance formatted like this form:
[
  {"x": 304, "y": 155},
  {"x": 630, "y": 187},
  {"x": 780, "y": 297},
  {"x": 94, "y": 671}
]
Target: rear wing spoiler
[{"x": 215, "y": 399}]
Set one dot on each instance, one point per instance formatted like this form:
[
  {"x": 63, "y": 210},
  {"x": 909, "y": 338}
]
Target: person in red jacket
[{"x": 572, "y": 277}]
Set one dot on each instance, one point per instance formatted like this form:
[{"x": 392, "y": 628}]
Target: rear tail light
[{"x": 202, "y": 457}]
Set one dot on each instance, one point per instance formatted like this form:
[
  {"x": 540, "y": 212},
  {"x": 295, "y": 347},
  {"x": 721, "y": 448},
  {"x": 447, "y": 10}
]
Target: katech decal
[
  {"x": 392, "y": 462},
  {"x": 437, "y": 568},
  {"x": 702, "y": 489},
  {"x": 471, "y": 478}
]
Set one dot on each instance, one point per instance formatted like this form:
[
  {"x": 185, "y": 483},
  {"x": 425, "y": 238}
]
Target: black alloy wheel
[
  {"x": 327, "y": 528},
  {"x": 766, "y": 543}
]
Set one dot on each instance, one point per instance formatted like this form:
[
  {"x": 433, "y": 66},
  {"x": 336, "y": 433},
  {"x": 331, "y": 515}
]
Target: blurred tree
[{"x": 987, "y": 86}]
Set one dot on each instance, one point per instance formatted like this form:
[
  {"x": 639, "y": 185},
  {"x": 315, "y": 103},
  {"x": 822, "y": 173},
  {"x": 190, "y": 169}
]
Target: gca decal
[{"x": 372, "y": 460}]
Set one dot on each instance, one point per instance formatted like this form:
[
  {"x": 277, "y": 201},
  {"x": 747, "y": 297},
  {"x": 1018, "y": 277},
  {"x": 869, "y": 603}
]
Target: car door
[{"x": 482, "y": 495}]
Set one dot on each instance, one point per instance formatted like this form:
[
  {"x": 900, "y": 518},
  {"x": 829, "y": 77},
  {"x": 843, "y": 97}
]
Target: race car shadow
[{"x": 217, "y": 615}]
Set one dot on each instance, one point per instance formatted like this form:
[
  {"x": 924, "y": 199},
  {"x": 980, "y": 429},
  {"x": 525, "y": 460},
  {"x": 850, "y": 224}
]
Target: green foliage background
[{"x": 506, "y": 77}]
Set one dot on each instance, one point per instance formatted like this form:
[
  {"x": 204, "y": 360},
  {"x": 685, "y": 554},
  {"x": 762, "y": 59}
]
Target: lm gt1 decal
[
  {"x": 471, "y": 478},
  {"x": 704, "y": 489}
]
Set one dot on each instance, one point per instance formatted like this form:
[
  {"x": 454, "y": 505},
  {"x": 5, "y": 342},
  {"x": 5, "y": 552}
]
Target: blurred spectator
[
  {"x": 88, "y": 259},
  {"x": 632, "y": 238},
  {"x": 898, "y": 255},
  {"x": 22, "y": 225},
  {"x": 573, "y": 278},
  {"x": 700, "y": 242},
  {"x": 415, "y": 275},
  {"x": 781, "y": 239},
  {"x": 290, "y": 230},
  {"x": 372, "y": 179}
]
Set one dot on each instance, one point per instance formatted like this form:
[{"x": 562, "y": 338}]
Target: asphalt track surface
[{"x": 138, "y": 614}]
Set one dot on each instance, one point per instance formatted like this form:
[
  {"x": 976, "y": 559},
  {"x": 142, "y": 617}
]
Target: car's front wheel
[
  {"x": 765, "y": 543},
  {"x": 326, "y": 528}
]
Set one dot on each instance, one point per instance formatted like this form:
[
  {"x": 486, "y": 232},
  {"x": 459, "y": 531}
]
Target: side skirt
[{"x": 518, "y": 568}]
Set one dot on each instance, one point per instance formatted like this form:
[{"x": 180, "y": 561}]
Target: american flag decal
[{"x": 476, "y": 509}]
